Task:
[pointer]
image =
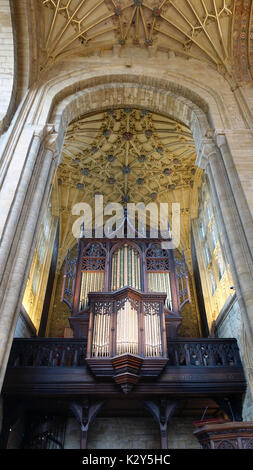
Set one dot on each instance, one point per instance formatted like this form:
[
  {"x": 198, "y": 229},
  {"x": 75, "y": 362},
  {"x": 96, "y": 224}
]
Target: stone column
[
  {"x": 18, "y": 270},
  {"x": 240, "y": 199},
  {"x": 236, "y": 245},
  {"x": 12, "y": 230}
]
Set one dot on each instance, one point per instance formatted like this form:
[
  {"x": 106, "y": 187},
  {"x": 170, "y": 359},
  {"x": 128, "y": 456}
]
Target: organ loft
[{"x": 116, "y": 334}]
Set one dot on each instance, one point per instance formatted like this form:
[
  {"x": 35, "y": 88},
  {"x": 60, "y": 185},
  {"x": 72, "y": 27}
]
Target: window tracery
[{"x": 214, "y": 269}]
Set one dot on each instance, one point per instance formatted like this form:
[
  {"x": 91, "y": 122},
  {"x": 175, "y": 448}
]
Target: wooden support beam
[
  {"x": 85, "y": 412},
  {"x": 162, "y": 412}
]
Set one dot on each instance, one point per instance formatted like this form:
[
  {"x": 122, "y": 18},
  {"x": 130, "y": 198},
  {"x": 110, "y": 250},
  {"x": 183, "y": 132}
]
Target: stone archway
[{"x": 59, "y": 102}]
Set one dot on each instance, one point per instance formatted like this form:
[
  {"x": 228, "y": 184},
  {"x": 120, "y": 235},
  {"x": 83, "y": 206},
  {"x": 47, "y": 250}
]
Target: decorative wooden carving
[
  {"x": 98, "y": 270},
  {"x": 183, "y": 286},
  {"x": 68, "y": 287},
  {"x": 106, "y": 359},
  {"x": 227, "y": 435},
  {"x": 162, "y": 411},
  {"x": 127, "y": 370},
  {"x": 85, "y": 412},
  {"x": 48, "y": 352},
  {"x": 48, "y": 368},
  {"x": 93, "y": 257}
]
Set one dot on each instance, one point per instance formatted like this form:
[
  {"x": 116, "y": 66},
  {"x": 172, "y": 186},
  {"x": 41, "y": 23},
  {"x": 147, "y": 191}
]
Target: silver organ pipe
[
  {"x": 127, "y": 329},
  {"x": 90, "y": 282},
  {"x": 153, "y": 339},
  {"x": 101, "y": 334},
  {"x": 126, "y": 270},
  {"x": 160, "y": 282}
]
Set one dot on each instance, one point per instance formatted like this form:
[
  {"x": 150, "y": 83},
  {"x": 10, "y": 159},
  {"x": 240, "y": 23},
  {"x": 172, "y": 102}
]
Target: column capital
[
  {"x": 42, "y": 131},
  {"x": 220, "y": 138},
  {"x": 51, "y": 143},
  {"x": 207, "y": 149},
  {"x": 39, "y": 132}
]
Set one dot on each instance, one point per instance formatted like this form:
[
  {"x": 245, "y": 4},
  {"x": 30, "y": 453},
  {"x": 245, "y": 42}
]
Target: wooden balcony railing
[
  {"x": 61, "y": 367},
  {"x": 48, "y": 352},
  {"x": 210, "y": 352}
]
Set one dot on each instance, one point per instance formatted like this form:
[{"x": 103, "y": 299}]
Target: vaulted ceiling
[
  {"x": 218, "y": 32},
  {"x": 134, "y": 155},
  {"x": 127, "y": 155}
]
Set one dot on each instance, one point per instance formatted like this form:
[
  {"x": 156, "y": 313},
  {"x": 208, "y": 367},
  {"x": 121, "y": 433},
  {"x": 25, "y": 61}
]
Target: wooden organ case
[{"x": 125, "y": 298}]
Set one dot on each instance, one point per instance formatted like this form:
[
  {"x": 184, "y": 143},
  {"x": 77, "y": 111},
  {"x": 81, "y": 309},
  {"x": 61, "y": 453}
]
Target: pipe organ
[
  {"x": 126, "y": 268},
  {"x": 126, "y": 297}
]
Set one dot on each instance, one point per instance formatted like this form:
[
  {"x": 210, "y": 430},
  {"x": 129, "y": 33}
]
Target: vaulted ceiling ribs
[
  {"x": 196, "y": 28},
  {"x": 127, "y": 155}
]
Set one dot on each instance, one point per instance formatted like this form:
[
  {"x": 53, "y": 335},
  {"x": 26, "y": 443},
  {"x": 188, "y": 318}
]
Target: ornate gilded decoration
[
  {"x": 155, "y": 164},
  {"x": 243, "y": 40}
]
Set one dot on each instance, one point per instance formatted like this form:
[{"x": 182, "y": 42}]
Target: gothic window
[
  {"x": 208, "y": 254},
  {"x": 214, "y": 269},
  {"x": 212, "y": 279},
  {"x": 35, "y": 280},
  {"x": 38, "y": 276}
]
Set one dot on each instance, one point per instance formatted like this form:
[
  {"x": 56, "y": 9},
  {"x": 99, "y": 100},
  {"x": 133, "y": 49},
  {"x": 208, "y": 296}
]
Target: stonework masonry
[
  {"x": 132, "y": 433},
  {"x": 6, "y": 59},
  {"x": 230, "y": 325},
  {"x": 165, "y": 83}
]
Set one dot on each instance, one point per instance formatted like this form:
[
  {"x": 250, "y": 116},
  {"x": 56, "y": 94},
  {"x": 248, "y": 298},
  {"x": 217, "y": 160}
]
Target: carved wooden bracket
[
  {"x": 162, "y": 412},
  {"x": 127, "y": 369},
  {"x": 85, "y": 412}
]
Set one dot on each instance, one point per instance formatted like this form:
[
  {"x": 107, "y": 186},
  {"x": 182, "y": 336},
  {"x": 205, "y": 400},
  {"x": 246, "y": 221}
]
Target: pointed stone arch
[{"x": 50, "y": 108}]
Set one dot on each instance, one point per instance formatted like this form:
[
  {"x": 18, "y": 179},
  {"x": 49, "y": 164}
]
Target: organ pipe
[{"x": 126, "y": 270}]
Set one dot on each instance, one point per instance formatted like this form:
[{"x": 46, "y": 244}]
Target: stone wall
[
  {"x": 131, "y": 433},
  {"x": 24, "y": 327},
  {"x": 229, "y": 325}
]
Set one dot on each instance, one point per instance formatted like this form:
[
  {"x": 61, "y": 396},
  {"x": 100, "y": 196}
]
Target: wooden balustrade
[
  {"x": 48, "y": 352},
  {"x": 210, "y": 352}
]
